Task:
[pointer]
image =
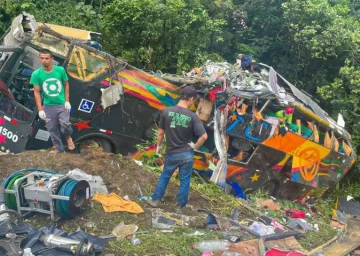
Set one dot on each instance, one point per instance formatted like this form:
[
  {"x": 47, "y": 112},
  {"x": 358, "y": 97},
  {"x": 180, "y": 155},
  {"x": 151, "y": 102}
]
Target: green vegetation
[
  {"x": 315, "y": 44},
  {"x": 177, "y": 242}
]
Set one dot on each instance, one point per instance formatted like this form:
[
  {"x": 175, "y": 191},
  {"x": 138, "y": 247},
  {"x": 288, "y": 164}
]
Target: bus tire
[
  {"x": 105, "y": 144},
  {"x": 270, "y": 187}
]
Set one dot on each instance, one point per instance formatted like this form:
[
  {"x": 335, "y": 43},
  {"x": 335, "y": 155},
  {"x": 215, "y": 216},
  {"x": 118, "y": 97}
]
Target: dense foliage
[{"x": 314, "y": 43}]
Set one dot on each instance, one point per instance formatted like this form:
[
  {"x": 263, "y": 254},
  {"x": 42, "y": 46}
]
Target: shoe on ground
[
  {"x": 154, "y": 203},
  {"x": 179, "y": 209}
]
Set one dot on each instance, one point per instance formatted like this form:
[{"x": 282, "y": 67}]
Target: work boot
[
  {"x": 179, "y": 209},
  {"x": 154, "y": 203}
]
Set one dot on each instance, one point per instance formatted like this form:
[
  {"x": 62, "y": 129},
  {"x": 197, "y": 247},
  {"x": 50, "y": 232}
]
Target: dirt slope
[{"x": 120, "y": 174}]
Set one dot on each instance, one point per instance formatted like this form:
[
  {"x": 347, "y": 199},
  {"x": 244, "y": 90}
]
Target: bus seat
[
  {"x": 336, "y": 143},
  {"x": 298, "y": 123},
  {"x": 306, "y": 132},
  {"x": 347, "y": 148},
  {"x": 316, "y": 134},
  {"x": 327, "y": 140}
]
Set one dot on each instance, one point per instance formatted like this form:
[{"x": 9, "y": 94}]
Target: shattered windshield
[{"x": 86, "y": 65}]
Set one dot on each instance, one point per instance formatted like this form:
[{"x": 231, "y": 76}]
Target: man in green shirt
[{"x": 52, "y": 82}]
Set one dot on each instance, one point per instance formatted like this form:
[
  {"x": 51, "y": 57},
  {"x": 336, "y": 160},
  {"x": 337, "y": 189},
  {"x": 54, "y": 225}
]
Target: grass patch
[
  {"x": 175, "y": 243},
  {"x": 313, "y": 239}
]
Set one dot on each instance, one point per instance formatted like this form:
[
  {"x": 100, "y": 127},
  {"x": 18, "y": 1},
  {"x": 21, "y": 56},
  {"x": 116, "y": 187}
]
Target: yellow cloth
[{"x": 114, "y": 203}]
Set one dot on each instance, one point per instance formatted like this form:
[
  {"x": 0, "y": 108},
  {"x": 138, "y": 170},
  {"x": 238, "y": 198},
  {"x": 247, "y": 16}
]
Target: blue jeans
[{"x": 184, "y": 161}]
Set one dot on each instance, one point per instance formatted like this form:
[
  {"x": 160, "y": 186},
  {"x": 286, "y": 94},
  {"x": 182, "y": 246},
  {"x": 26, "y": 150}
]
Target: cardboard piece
[
  {"x": 204, "y": 109},
  {"x": 337, "y": 224},
  {"x": 245, "y": 248},
  {"x": 289, "y": 243},
  {"x": 269, "y": 204}
]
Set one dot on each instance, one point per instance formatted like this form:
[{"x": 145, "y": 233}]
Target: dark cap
[{"x": 189, "y": 91}]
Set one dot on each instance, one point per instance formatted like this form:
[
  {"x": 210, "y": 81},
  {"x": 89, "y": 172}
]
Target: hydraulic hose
[
  {"x": 10, "y": 199},
  {"x": 62, "y": 206}
]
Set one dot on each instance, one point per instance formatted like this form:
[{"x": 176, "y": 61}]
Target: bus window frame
[
  {"x": 77, "y": 52},
  {"x": 249, "y": 159},
  {"x": 318, "y": 125}
]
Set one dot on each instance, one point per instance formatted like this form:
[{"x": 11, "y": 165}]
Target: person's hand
[
  {"x": 67, "y": 106},
  {"x": 158, "y": 151},
  {"x": 192, "y": 145},
  {"x": 42, "y": 114},
  {"x": 280, "y": 120}
]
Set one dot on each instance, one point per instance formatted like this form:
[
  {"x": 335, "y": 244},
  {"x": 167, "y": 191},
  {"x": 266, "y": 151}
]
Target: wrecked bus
[
  {"x": 248, "y": 147},
  {"x": 115, "y": 105}
]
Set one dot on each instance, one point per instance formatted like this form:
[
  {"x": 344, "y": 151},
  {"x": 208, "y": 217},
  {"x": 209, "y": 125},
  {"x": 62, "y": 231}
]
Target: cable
[{"x": 62, "y": 206}]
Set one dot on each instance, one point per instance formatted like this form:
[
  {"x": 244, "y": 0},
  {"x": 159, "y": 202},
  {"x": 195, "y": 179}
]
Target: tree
[
  {"x": 67, "y": 13},
  {"x": 319, "y": 33},
  {"x": 169, "y": 35}
]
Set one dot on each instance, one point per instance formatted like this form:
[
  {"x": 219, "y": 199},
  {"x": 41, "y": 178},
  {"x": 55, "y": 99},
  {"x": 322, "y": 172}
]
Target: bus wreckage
[{"x": 116, "y": 105}]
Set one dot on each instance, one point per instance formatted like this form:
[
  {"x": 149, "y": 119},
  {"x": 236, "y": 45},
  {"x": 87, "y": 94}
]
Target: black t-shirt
[{"x": 180, "y": 124}]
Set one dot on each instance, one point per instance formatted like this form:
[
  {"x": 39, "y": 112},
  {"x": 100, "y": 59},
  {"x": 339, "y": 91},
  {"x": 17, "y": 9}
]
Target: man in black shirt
[{"x": 178, "y": 124}]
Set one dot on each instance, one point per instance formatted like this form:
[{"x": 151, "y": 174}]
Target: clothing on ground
[
  {"x": 114, "y": 203},
  {"x": 51, "y": 84},
  {"x": 181, "y": 123}
]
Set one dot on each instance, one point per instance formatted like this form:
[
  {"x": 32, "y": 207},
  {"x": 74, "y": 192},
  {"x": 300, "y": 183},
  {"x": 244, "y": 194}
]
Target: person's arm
[
  {"x": 201, "y": 141},
  {"x": 289, "y": 119},
  {"x": 37, "y": 97},
  {"x": 280, "y": 115},
  {"x": 67, "y": 91},
  {"x": 199, "y": 130},
  {"x": 160, "y": 137}
]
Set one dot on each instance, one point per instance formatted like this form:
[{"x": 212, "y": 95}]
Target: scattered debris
[
  {"x": 261, "y": 228},
  {"x": 96, "y": 182},
  {"x": 296, "y": 214},
  {"x": 245, "y": 248},
  {"x": 168, "y": 220},
  {"x": 289, "y": 243},
  {"x": 270, "y": 221},
  {"x": 211, "y": 245},
  {"x": 278, "y": 252},
  {"x": 269, "y": 204},
  {"x": 121, "y": 231},
  {"x": 349, "y": 207},
  {"x": 299, "y": 224},
  {"x": 135, "y": 241},
  {"x": 337, "y": 224}
]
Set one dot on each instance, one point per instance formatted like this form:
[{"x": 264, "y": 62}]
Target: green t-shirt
[{"x": 51, "y": 84}]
